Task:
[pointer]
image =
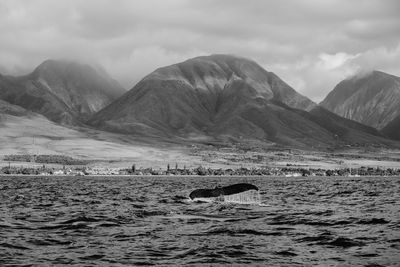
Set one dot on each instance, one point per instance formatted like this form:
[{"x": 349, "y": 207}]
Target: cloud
[
  {"x": 138, "y": 65},
  {"x": 331, "y": 62},
  {"x": 380, "y": 58},
  {"x": 316, "y": 75},
  {"x": 311, "y": 44}
]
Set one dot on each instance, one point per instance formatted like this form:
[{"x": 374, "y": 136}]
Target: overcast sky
[{"x": 311, "y": 44}]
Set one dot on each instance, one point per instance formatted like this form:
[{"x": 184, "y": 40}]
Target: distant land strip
[{"x": 200, "y": 171}]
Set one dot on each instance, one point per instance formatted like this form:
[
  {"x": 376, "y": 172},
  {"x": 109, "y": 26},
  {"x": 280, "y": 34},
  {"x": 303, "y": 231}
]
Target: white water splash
[{"x": 247, "y": 197}]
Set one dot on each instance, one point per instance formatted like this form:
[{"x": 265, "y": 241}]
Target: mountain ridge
[{"x": 216, "y": 98}]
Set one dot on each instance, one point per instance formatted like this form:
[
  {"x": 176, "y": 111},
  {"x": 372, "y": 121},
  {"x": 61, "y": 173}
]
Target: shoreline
[{"x": 193, "y": 176}]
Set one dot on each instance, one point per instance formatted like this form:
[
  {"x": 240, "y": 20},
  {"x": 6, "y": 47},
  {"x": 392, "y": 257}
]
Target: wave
[
  {"x": 237, "y": 232},
  {"x": 329, "y": 239},
  {"x": 12, "y": 246}
]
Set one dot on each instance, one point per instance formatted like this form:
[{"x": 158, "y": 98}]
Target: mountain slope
[
  {"x": 345, "y": 130},
  {"x": 10, "y": 109},
  {"x": 223, "y": 97},
  {"x": 392, "y": 129},
  {"x": 373, "y": 99},
  {"x": 63, "y": 91}
]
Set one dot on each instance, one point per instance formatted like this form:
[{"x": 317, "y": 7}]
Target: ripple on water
[{"x": 125, "y": 221}]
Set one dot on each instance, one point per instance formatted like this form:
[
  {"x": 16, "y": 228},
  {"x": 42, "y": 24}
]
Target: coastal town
[
  {"x": 199, "y": 171},
  {"x": 45, "y": 165}
]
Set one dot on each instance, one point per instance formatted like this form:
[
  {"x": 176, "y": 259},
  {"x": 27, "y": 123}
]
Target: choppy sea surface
[{"x": 125, "y": 221}]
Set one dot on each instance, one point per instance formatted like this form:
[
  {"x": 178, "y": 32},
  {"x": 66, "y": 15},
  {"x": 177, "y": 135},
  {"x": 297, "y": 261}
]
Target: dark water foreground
[{"x": 123, "y": 221}]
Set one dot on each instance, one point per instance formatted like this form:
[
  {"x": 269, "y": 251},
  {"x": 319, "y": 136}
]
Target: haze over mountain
[
  {"x": 226, "y": 97},
  {"x": 63, "y": 91},
  {"x": 372, "y": 99}
]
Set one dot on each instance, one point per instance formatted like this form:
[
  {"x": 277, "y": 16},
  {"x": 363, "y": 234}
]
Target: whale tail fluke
[{"x": 242, "y": 193}]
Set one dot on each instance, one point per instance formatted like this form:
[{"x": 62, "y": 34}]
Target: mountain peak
[
  {"x": 68, "y": 67},
  {"x": 369, "y": 77},
  {"x": 58, "y": 64},
  {"x": 221, "y": 58},
  {"x": 212, "y": 74}
]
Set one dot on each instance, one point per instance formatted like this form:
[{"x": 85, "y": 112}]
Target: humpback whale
[{"x": 238, "y": 193}]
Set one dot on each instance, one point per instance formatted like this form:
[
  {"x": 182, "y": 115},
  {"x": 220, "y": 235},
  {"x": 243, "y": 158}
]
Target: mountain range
[
  {"x": 209, "y": 98},
  {"x": 229, "y": 98}
]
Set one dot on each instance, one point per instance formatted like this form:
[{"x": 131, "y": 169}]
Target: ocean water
[{"x": 125, "y": 221}]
